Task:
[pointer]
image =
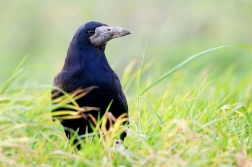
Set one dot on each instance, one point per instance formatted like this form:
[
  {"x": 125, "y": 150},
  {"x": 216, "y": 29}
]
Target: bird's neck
[{"x": 80, "y": 58}]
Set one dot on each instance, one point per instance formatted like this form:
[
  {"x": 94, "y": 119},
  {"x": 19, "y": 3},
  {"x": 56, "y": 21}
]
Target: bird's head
[{"x": 98, "y": 34}]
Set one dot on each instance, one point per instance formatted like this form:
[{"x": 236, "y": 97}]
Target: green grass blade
[
  {"x": 146, "y": 44},
  {"x": 154, "y": 112},
  {"x": 13, "y": 76},
  {"x": 19, "y": 66},
  {"x": 139, "y": 80},
  {"x": 187, "y": 61},
  {"x": 248, "y": 117}
]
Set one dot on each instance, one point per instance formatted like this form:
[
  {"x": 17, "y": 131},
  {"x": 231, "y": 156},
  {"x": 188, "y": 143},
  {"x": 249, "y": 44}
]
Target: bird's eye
[{"x": 91, "y": 32}]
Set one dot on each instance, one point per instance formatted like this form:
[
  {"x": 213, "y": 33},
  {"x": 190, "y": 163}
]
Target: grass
[{"x": 186, "y": 120}]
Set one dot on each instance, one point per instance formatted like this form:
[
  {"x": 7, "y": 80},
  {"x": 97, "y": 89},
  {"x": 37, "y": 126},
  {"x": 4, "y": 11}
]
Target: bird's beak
[
  {"x": 118, "y": 32},
  {"x": 104, "y": 33}
]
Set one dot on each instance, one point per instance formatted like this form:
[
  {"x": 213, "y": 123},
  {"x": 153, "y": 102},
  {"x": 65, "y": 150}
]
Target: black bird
[{"x": 86, "y": 66}]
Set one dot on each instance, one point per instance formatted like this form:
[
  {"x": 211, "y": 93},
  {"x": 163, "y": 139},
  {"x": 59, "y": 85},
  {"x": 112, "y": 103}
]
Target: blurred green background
[{"x": 176, "y": 29}]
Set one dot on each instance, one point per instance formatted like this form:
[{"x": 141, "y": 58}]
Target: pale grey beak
[{"x": 103, "y": 34}]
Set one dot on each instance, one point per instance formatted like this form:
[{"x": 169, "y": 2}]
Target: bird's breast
[{"x": 103, "y": 79}]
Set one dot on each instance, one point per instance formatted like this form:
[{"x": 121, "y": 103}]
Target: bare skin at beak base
[{"x": 104, "y": 33}]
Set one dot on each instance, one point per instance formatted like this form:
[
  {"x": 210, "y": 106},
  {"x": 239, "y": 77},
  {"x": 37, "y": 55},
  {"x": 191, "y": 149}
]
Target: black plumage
[{"x": 86, "y": 66}]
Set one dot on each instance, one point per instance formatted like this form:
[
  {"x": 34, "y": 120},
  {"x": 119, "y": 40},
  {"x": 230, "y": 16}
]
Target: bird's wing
[{"x": 121, "y": 96}]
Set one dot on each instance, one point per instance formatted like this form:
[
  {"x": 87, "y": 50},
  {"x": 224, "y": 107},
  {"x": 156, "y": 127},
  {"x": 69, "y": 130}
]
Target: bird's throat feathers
[{"x": 80, "y": 57}]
